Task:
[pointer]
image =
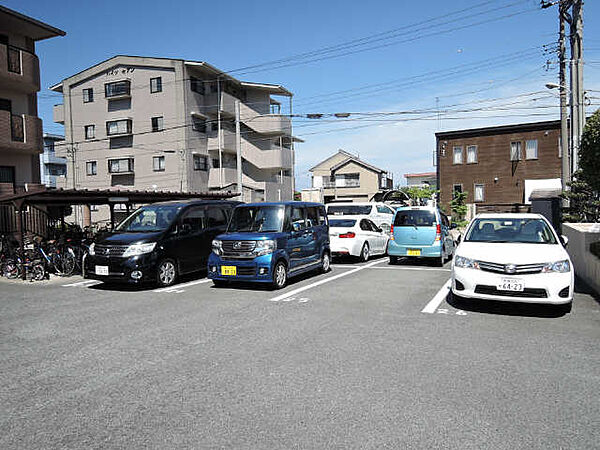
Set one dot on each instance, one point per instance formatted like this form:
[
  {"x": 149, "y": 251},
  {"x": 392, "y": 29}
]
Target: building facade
[
  {"x": 20, "y": 126},
  {"x": 345, "y": 177},
  {"x": 169, "y": 124},
  {"x": 52, "y": 168},
  {"x": 495, "y": 165},
  {"x": 425, "y": 179}
]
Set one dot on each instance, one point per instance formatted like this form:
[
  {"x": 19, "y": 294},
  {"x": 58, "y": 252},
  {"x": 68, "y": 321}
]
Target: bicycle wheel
[
  {"x": 38, "y": 272},
  {"x": 68, "y": 264},
  {"x": 10, "y": 269}
]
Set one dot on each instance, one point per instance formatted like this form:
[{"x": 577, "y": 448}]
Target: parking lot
[{"x": 369, "y": 355}]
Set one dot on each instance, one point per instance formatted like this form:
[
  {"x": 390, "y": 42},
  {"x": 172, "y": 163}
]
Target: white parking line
[
  {"x": 83, "y": 283},
  {"x": 177, "y": 288},
  {"x": 414, "y": 268},
  {"x": 326, "y": 280},
  {"x": 431, "y": 307}
]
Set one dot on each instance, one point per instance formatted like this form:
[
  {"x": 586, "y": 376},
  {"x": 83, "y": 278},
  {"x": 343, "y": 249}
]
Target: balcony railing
[
  {"x": 20, "y": 132},
  {"x": 19, "y": 69}
]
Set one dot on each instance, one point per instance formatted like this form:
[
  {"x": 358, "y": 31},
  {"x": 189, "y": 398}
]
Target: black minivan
[{"x": 159, "y": 242}]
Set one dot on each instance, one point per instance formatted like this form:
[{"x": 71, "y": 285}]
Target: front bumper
[
  {"x": 259, "y": 269},
  {"x": 427, "y": 251},
  {"x": 120, "y": 269},
  {"x": 539, "y": 287}
]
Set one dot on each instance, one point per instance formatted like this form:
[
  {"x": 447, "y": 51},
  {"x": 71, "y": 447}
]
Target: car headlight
[
  {"x": 139, "y": 249},
  {"x": 91, "y": 249},
  {"x": 265, "y": 247},
  {"x": 467, "y": 263},
  {"x": 217, "y": 246},
  {"x": 558, "y": 266}
]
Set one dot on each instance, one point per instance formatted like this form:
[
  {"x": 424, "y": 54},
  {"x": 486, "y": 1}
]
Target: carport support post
[{"x": 19, "y": 208}]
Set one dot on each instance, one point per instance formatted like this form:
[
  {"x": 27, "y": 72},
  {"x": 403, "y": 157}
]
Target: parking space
[{"x": 368, "y": 353}]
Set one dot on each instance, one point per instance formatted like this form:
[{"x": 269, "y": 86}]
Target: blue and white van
[
  {"x": 270, "y": 242},
  {"x": 421, "y": 232}
]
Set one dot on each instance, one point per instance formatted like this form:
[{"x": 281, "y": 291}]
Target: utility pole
[
  {"x": 562, "y": 89},
  {"x": 577, "y": 94},
  {"x": 219, "y": 133},
  {"x": 238, "y": 147}
]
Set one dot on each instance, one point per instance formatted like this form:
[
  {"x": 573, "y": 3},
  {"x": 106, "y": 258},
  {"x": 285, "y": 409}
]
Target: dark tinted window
[
  {"x": 349, "y": 210},
  {"x": 297, "y": 218},
  {"x": 257, "y": 218},
  {"x": 365, "y": 225},
  {"x": 414, "y": 217},
  {"x": 312, "y": 214},
  {"x": 341, "y": 223},
  {"x": 216, "y": 217},
  {"x": 149, "y": 218},
  {"x": 194, "y": 219}
]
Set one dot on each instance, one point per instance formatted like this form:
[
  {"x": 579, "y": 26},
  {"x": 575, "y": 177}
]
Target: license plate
[
  {"x": 413, "y": 252},
  {"x": 101, "y": 270},
  {"x": 510, "y": 284},
  {"x": 228, "y": 270}
]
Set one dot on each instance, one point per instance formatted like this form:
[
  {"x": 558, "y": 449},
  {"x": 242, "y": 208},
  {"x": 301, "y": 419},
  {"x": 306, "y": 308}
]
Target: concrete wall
[{"x": 587, "y": 265}]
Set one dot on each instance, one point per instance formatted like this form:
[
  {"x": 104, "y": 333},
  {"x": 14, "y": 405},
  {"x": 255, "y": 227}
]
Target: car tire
[
  {"x": 220, "y": 283},
  {"x": 280, "y": 275},
  {"x": 439, "y": 262},
  {"x": 364, "y": 252},
  {"x": 325, "y": 263},
  {"x": 166, "y": 273},
  {"x": 393, "y": 260}
]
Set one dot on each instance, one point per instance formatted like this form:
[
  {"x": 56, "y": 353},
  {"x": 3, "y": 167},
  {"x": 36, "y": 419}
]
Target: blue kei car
[
  {"x": 270, "y": 242},
  {"x": 421, "y": 232}
]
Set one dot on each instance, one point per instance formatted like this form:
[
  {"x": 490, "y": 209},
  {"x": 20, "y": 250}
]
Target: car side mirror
[{"x": 564, "y": 240}]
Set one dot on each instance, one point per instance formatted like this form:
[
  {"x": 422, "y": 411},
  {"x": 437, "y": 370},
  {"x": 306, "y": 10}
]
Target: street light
[
  {"x": 565, "y": 143},
  {"x": 555, "y": 86}
]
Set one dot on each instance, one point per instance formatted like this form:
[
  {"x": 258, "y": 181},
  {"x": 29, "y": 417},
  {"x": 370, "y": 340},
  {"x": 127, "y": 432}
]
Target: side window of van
[
  {"x": 365, "y": 226},
  {"x": 312, "y": 213},
  {"x": 216, "y": 217},
  {"x": 297, "y": 219},
  {"x": 194, "y": 219},
  {"x": 384, "y": 209}
]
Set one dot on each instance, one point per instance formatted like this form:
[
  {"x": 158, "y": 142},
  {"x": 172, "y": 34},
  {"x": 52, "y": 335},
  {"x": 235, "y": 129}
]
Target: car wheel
[
  {"x": 325, "y": 263},
  {"x": 439, "y": 262},
  {"x": 279, "y": 275},
  {"x": 220, "y": 283},
  {"x": 166, "y": 274},
  {"x": 364, "y": 253},
  {"x": 393, "y": 260}
]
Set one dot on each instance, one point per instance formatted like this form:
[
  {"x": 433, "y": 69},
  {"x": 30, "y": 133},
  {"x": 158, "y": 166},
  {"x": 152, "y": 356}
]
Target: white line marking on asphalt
[
  {"x": 178, "y": 287},
  {"x": 414, "y": 268},
  {"x": 439, "y": 298},
  {"x": 326, "y": 280},
  {"x": 82, "y": 283}
]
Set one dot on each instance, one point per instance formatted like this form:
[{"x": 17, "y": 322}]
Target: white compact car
[
  {"x": 513, "y": 257},
  {"x": 378, "y": 212},
  {"x": 356, "y": 236}
]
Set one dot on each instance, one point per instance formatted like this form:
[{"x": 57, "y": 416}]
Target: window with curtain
[
  {"x": 471, "y": 154},
  {"x": 531, "y": 149},
  {"x": 457, "y": 157},
  {"x": 158, "y": 163},
  {"x": 478, "y": 193},
  {"x": 515, "y": 151},
  {"x": 118, "y": 127},
  {"x": 91, "y": 168},
  {"x": 157, "y": 124},
  {"x": 155, "y": 85},
  {"x": 90, "y": 131},
  {"x": 123, "y": 165}
]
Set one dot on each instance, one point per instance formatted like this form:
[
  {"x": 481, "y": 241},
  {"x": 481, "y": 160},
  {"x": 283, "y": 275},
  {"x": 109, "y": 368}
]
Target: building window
[
  {"x": 14, "y": 59},
  {"x": 56, "y": 170},
  {"x": 478, "y": 195},
  {"x": 347, "y": 180},
  {"x": 90, "y": 131},
  {"x": 155, "y": 85},
  {"x": 515, "y": 151},
  {"x": 471, "y": 154},
  {"x": 158, "y": 163},
  {"x": 531, "y": 149},
  {"x": 197, "y": 85},
  {"x": 214, "y": 126},
  {"x": 117, "y": 89},
  {"x": 215, "y": 163},
  {"x": 123, "y": 165},
  {"x": 157, "y": 124},
  {"x": 199, "y": 124},
  {"x": 91, "y": 168},
  {"x": 118, "y": 127},
  {"x": 200, "y": 162},
  {"x": 88, "y": 95},
  {"x": 457, "y": 155},
  {"x": 456, "y": 189}
]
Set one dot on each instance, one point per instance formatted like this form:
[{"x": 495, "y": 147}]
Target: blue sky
[{"x": 465, "y": 52}]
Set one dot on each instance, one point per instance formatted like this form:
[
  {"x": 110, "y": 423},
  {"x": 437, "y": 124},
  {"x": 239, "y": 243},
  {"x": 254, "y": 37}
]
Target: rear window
[
  {"x": 414, "y": 217},
  {"x": 349, "y": 210},
  {"x": 341, "y": 223}
]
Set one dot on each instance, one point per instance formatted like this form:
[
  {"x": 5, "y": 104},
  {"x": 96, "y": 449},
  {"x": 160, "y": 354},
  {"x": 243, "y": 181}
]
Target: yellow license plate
[
  {"x": 228, "y": 270},
  {"x": 413, "y": 252}
]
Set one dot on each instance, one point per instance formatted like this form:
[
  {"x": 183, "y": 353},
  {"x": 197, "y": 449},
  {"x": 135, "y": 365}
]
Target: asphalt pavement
[{"x": 366, "y": 356}]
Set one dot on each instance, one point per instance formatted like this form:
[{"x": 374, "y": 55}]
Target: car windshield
[
  {"x": 149, "y": 218},
  {"x": 531, "y": 231},
  {"x": 414, "y": 218},
  {"x": 257, "y": 218},
  {"x": 341, "y": 223},
  {"x": 348, "y": 210}
]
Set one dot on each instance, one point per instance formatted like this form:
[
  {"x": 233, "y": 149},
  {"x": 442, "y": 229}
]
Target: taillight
[
  {"x": 438, "y": 232},
  {"x": 349, "y": 234},
  {"x": 392, "y": 232}
]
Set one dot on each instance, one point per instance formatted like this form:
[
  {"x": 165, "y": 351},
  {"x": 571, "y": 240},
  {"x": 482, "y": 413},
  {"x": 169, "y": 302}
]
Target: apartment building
[
  {"x": 52, "y": 168},
  {"x": 345, "y": 177},
  {"x": 20, "y": 126},
  {"x": 498, "y": 166},
  {"x": 170, "y": 124}
]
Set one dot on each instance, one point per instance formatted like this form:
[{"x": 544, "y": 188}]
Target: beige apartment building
[
  {"x": 20, "y": 127},
  {"x": 169, "y": 124},
  {"x": 345, "y": 177}
]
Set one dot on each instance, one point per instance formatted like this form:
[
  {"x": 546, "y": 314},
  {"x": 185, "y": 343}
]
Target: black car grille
[
  {"x": 110, "y": 250},
  {"x": 246, "y": 271},
  {"x": 238, "y": 249},
  {"x": 518, "y": 268},
  {"x": 525, "y": 293}
]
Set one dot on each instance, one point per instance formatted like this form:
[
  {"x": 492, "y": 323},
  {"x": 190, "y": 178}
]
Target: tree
[
  {"x": 458, "y": 207},
  {"x": 419, "y": 192}
]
